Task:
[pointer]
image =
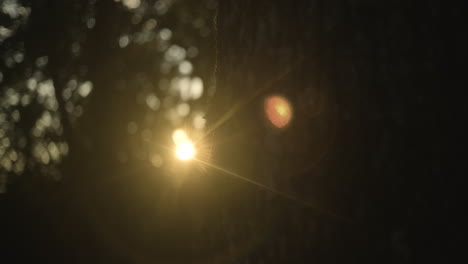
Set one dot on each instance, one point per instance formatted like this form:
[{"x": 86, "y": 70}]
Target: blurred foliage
[{"x": 63, "y": 61}]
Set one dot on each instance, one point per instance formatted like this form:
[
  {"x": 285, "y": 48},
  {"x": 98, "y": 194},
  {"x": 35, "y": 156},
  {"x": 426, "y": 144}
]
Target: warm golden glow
[
  {"x": 184, "y": 147},
  {"x": 185, "y": 150},
  {"x": 278, "y": 110},
  {"x": 179, "y": 136}
]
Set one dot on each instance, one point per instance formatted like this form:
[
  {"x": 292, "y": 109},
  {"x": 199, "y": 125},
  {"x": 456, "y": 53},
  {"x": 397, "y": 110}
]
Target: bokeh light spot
[
  {"x": 179, "y": 136},
  {"x": 278, "y": 110}
]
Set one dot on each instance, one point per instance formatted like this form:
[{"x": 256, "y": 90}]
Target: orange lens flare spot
[{"x": 278, "y": 111}]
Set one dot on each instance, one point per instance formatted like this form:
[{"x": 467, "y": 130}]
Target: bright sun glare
[{"x": 185, "y": 150}]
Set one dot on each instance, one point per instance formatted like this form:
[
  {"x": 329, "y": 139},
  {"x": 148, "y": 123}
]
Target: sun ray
[{"x": 277, "y": 192}]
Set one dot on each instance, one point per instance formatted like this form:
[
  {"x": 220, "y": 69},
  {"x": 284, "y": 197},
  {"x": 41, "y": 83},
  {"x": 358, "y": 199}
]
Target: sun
[{"x": 185, "y": 150}]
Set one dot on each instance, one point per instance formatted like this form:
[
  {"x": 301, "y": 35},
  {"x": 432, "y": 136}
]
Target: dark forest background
[{"x": 92, "y": 91}]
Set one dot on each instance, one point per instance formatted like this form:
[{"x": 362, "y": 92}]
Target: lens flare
[
  {"x": 184, "y": 147},
  {"x": 278, "y": 111},
  {"x": 185, "y": 150}
]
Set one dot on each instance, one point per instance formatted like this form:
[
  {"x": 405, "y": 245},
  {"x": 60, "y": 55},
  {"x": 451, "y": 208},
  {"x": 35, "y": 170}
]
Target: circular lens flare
[
  {"x": 185, "y": 150},
  {"x": 278, "y": 111}
]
